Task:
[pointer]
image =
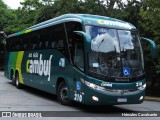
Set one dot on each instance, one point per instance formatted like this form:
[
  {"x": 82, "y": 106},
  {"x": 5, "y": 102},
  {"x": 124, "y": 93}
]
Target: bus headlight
[
  {"x": 94, "y": 86},
  {"x": 95, "y": 98},
  {"x": 142, "y": 87},
  {"x": 141, "y": 98}
]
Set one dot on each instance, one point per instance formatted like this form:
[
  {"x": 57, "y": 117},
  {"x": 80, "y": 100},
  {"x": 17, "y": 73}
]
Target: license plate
[{"x": 122, "y": 100}]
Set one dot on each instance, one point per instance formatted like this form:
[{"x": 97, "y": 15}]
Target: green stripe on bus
[
  {"x": 19, "y": 64},
  {"x": 10, "y": 62},
  {"x": 27, "y": 31},
  {"x": 14, "y": 60}
]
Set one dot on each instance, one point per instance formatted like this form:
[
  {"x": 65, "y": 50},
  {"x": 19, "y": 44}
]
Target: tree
[
  {"x": 5, "y": 14},
  {"x": 150, "y": 19},
  {"x": 24, "y": 16},
  {"x": 149, "y": 25}
]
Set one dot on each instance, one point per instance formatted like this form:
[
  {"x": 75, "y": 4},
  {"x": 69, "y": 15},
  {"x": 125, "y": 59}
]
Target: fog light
[
  {"x": 95, "y": 98},
  {"x": 141, "y": 98}
]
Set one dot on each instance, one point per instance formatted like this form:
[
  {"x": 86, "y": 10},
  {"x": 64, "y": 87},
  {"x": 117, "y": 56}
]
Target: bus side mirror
[
  {"x": 153, "y": 46},
  {"x": 87, "y": 37}
]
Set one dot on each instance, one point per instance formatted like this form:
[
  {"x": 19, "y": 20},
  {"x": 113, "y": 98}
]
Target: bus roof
[{"x": 83, "y": 18}]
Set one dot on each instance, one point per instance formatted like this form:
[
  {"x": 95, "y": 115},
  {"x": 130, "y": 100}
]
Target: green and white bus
[{"x": 89, "y": 59}]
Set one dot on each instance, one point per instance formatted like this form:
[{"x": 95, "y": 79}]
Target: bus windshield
[{"x": 114, "y": 53}]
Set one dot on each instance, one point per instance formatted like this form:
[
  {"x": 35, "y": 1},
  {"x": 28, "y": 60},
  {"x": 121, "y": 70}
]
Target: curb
[{"x": 156, "y": 99}]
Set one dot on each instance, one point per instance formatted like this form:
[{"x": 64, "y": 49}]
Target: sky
[{"x": 13, "y": 4}]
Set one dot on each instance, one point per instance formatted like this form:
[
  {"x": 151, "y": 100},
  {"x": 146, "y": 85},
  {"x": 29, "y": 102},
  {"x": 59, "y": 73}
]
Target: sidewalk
[{"x": 150, "y": 98}]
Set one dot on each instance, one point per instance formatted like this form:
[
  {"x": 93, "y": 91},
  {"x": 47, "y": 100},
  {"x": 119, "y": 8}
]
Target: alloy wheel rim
[
  {"x": 64, "y": 93},
  {"x": 17, "y": 82}
]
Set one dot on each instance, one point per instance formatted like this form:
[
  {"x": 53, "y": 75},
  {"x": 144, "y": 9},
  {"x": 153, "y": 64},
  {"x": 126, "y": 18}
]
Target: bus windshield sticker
[
  {"x": 95, "y": 64},
  {"x": 78, "y": 86},
  {"x": 126, "y": 71},
  {"x": 102, "y": 30}
]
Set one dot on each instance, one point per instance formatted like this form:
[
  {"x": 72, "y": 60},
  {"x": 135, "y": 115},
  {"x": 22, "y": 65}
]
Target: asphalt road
[{"x": 29, "y": 99}]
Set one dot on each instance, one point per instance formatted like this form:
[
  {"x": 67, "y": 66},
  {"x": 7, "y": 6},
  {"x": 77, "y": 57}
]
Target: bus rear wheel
[
  {"x": 62, "y": 94},
  {"x": 18, "y": 84},
  {"x": 13, "y": 78}
]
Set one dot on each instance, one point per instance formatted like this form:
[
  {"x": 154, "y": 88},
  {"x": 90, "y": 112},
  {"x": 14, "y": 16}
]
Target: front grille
[{"x": 121, "y": 92}]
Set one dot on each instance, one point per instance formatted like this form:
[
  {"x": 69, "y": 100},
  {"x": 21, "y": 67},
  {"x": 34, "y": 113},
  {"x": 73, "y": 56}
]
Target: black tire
[
  {"x": 62, "y": 94},
  {"x": 17, "y": 83},
  {"x": 13, "y": 78}
]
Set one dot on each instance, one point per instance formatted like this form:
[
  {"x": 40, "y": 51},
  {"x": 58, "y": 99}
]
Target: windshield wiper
[
  {"x": 98, "y": 49},
  {"x": 100, "y": 44}
]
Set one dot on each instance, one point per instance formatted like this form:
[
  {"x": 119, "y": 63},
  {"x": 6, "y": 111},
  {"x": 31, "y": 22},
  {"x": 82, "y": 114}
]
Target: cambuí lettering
[{"x": 39, "y": 66}]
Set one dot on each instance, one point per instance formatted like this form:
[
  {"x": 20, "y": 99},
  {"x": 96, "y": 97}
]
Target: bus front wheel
[{"x": 62, "y": 94}]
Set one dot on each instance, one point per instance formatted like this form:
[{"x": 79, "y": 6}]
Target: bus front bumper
[{"x": 113, "y": 97}]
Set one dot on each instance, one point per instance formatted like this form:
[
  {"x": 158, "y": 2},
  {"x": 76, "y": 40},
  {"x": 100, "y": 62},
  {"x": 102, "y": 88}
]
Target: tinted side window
[
  {"x": 26, "y": 40},
  {"x": 57, "y": 39},
  {"x": 18, "y": 43},
  {"x": 29, "y": 41},
  {"x": 78, "y": 52},
  {"x": 34, "y": 41},
  {"x": 75, "y": 44},
  {"x": 43, "y": 38}
]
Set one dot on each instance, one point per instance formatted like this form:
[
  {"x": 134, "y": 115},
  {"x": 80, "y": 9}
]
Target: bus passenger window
[
  {"x": 75, "y": 44},
  {"x": 47, "y": 44},
  {"x": 34, "y": 46},
  {"x": 53, "y": 44},
  {"x": 57, "y": 38},
  {"x": 26, "y": 41},
  {"x": 34, "y": 41},
  {"x": 20, "y": 44},
  {"x": 59, "y": 45},
  {"x": 40, "y": 45},
  {"x": 42, "y": 39},
  {"x": 78, "y": 52},
  {"x": 17, "y": 47},
  {"x": 25, "y": 46}
]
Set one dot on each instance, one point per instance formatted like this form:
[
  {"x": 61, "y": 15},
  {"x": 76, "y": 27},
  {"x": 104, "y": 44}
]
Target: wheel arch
[{"x": 59, "y": 80}]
